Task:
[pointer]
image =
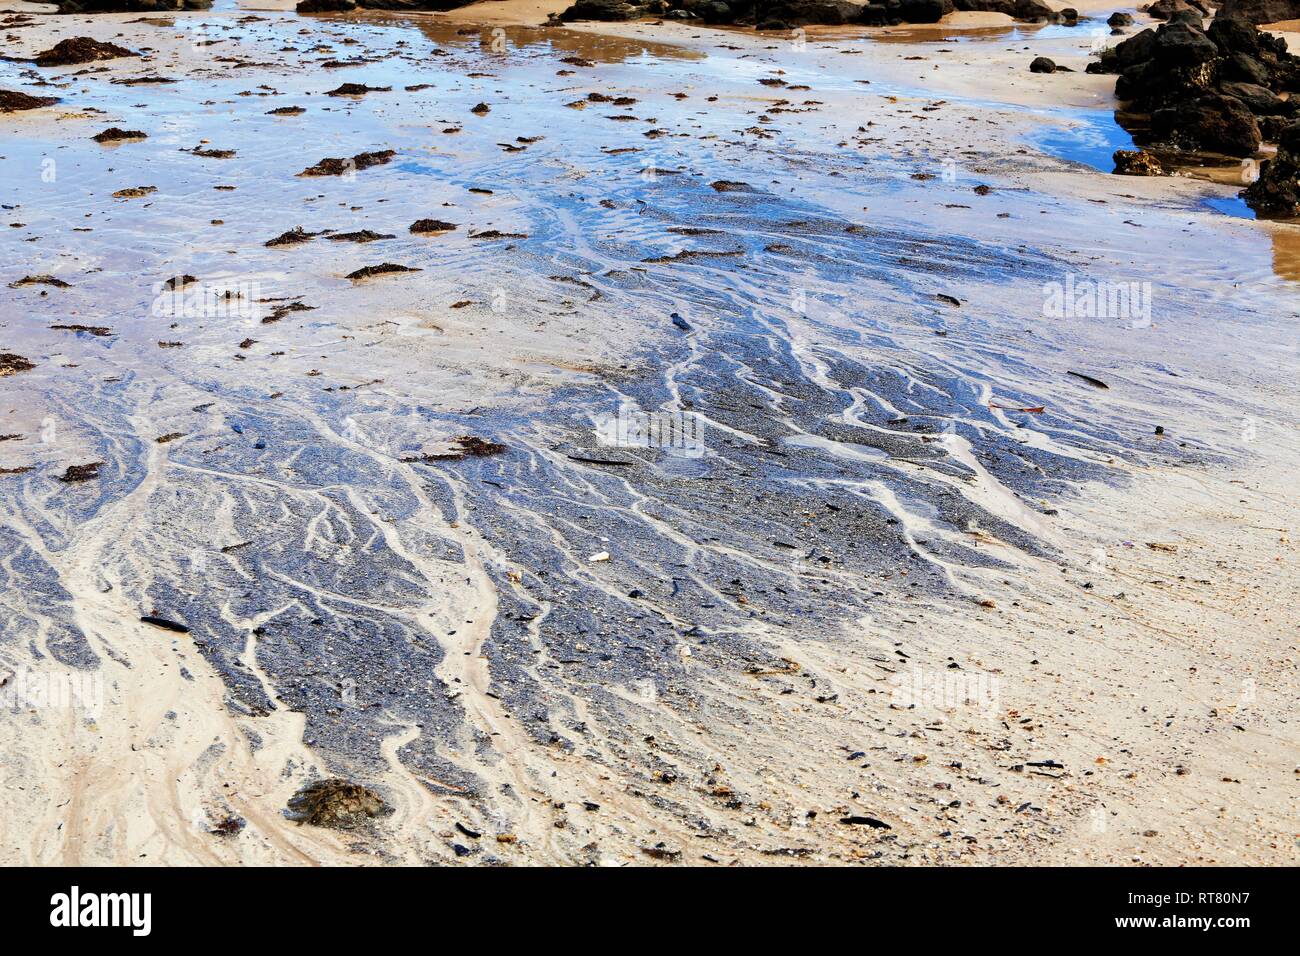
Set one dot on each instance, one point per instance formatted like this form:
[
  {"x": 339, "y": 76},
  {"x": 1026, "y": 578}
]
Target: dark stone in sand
[
  {"x": 14, "y": 100},
  {"x": 1136, "y": 162},
  {"x": 363, "y": 235},
  {"x": 11, "y": 364},
  {"x": 87, "y": 472},
  {"x": 357, "y": 89},
  {"x": 114, "y": 135},
  {"x": 384, "y": 268},
  {"x": 1119, "y": 19},
  {"x": 40, "y": 280},
  {"x": 337, "y": 166},
  {"x": 603, "y": 10},
  {"x": 336, "y": 803},
  {"x": 1042, "y": 64},
  {"x": 431, "y": 225},
  {"x": 293, "y": 237},
  {"x": 76, "y": 50}
]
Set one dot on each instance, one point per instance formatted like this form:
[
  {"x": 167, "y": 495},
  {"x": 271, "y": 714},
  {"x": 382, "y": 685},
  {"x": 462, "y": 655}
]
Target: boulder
[
  {"x": 925, "y": 11},
  {"x": 603, "y": 10},
  {"x": 325, "y": 6},
  {"x": 1136, "y": 162},
  {"x": 1217, "y": 123},
  {"x": 1276, "y": 194},
  {"x": 820, "y": 12},
  {"x": 1260, "y": 11},
  {"x": 1258, "y": 99},
  {"x": 1165, "y": 9},
  {"x": 1041, "y": 64},
  {"x": 1247, "y": 69},
  {"x": 1119, "y": 19}
]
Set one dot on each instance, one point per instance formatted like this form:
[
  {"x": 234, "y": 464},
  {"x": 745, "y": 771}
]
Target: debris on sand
[
  {"x": 466, "y": 446},
  {"x": 431, "y": 225},
  {"x": 102, "y": 331},
  {"x": 295, "y": 236},
  {"x": 40, "y": 280},
  {"x": 11, "y": 364},
  {"x": 1094, "y": 382},
  {"x": 115, "y": 134},
  {"x": 76, "y": 50},
  {"x": 228, "y": 826},
  {"x": 336, "y": 803},
  {"x": 167, "y": 624},
  {"x": 280, "y": 311},
  {"x": 361, "y": 235},
  {"x": 384, "y": 268},
  {"x": 179, "y": 282},
  {"x": 728, "y": 186},
  {"x": 12, "y": 100},
  {"x": 497, "y": 234},
  {"x": 134, "y": 192},
  {"x": 337, "y": 166},
  {"x": 87, "y": 472},
  {"x": 211, "y": 153},
  {"x": 357, "y": 89},
  {"x": 286, "y": 111},
  {"x": 1136, "y": 162},
  {"x": 866, "y": 822},
  {"x": 481, "y": 109}
]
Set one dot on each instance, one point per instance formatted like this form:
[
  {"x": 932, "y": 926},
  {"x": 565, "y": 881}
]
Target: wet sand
[{"x": 924, "y": 595}]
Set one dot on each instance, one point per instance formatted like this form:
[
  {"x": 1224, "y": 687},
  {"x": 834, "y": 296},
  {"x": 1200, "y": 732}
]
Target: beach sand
[{"x": 890, "y": 613}]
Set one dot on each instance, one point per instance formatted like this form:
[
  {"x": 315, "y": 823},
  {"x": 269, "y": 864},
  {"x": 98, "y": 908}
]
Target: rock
[
  {"x": 1119, "y": 19},
  {"x": 1246, "y": 69},
  {"x": 1258, "y": 99},
  {"x": 1136, "y": 162},
  {"x": 11, "y": 364},
  {"x": 1276, "y": 194},
  {"x": 14, "y": 100},
  {"x": 603, "y": 10},
  {"x": 131, "y": 6},
  {"x": 1069, "y": 16},
  {"x": 818, "y": 12},
  {"x": 115, "y": 134},
  {"x": 75, "y": 50},
  {"x": 925, "y": 11},
  {"x": 1042, "y": 64},
  {"x": 1217, "y": 123},
  {"x": 336, "y": 803},
  {"x": 325, "y": 6},
  {"x": 1260, "y": 11},
  {"x": 1164, "y": 9}
]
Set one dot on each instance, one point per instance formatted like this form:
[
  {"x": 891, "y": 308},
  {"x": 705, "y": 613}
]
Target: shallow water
[{"x": 857, "y": 331}]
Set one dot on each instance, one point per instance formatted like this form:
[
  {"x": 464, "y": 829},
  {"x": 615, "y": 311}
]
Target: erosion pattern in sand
[{"x": 904, "y": 567}]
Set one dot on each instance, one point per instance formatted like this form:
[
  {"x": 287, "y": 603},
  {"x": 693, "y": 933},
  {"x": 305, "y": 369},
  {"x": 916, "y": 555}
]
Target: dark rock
[
  {"x": 603, "y": 10},
  {"x": 13, "y": 100},
  {"x": 325, "y": 6},
  {"x": 114, "y": 135},
  {"x": 1276, "y": 194},
  {"x": 1042, "y": 64},
  {"x": 1260, "y": 11},
  {"x": 75, "y": 50},
  {"x": 1258, "y": 99},
  {"x": 339, "y": 804},
  {"x": 1218, "y": 123},
  {"x": 1119, "y": 19},
  {"x": 1136, "y": 162}
]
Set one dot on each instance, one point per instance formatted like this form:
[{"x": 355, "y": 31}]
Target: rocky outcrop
[
  {"x": 1276, "y": 194},
  {"x": 785, "y": 14},
  {"x": 131, "y": 6},
  {"x": 76, "y": 50},
  {"x": 1214, "y": 90},
  {"x": 1260, "y": 11}
]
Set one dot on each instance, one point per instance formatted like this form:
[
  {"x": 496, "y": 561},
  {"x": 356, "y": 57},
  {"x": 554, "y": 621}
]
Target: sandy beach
[{"x": 687, "y": 446}]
